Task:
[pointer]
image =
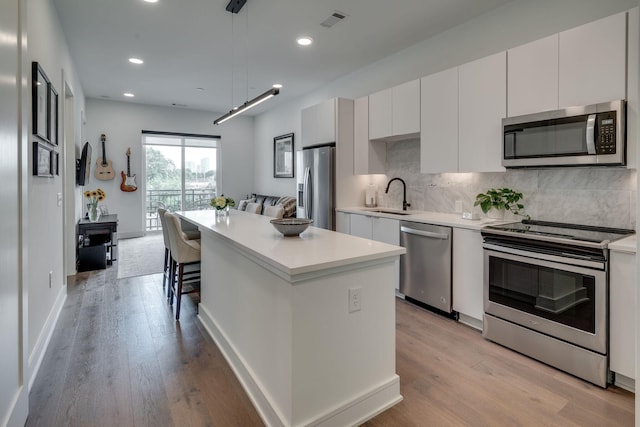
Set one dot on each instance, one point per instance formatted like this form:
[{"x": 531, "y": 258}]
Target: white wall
[
  {"x": 13, "y": 390},
  {"x": 45, "y": 244},
  {"x": 122, "y": 123},
  {"x": 513, "y": 24}
]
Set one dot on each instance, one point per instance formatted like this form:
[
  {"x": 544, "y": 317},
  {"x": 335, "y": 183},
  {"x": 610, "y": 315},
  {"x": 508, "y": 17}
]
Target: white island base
[{"x": 278, "y": 309}]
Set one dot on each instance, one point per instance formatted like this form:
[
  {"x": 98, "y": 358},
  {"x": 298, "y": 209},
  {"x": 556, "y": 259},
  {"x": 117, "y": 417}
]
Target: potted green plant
[{"x": 498, "y": 201}]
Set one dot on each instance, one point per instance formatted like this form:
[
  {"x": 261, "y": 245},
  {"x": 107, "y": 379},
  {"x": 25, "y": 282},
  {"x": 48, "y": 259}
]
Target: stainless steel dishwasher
[{"x": 425, "y": 270}]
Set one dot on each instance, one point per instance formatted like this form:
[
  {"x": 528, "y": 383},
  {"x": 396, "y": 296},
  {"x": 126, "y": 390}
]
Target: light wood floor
[{"x": 117, "y": 358}]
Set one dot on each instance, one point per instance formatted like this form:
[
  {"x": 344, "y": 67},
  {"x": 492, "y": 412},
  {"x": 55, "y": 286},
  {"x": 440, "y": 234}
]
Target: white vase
[{"x": 496, "y": 213}]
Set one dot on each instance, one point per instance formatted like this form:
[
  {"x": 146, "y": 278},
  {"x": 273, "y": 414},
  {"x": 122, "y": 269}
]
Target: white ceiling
[{"x": 188, "y": 44}]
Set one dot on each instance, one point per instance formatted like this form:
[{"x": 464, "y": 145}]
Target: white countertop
[
  {"x": 628, "y": 244},
  {"x": 436, "y": 218},
  {"x": 314, "y": 250}
]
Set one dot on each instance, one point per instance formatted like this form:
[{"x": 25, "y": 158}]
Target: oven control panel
[{"x": 606, "y": 128}]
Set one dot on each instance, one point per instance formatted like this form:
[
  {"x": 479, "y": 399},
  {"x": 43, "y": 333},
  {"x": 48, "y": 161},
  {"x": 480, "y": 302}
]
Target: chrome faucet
[{"x": 405, "y": 205}]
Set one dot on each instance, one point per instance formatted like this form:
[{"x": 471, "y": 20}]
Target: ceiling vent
[{"x": 333, "y": 19}]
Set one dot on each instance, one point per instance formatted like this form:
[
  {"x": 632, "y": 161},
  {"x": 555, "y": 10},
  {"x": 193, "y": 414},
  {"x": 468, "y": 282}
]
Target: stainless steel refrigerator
[{"x": 316, "y": 185}]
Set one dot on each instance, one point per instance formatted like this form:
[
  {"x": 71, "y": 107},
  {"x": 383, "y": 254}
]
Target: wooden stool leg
[
  {"x": 165, "y": 268},
  {"x": 179, "y": 290},
  {"x": 172, "y": 280}
]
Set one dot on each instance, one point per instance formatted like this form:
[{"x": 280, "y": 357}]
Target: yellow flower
[{"x": 95, "y": 196}]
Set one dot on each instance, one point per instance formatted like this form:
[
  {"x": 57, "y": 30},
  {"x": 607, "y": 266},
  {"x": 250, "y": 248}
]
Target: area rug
[{"x": 140, "y": 256}]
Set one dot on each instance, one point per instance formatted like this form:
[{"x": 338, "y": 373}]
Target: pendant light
[{"x": 234, "y": 6}]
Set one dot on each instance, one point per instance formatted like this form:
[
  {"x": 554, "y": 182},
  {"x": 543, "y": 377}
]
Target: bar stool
[
  {"x": 274, "y": 211},
  {"x": 184, "y": 261},
  {"x": 167, "y": 249},
  {"x": 255, "y": 208}
]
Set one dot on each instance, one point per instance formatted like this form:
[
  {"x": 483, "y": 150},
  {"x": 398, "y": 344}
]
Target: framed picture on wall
[
  {"x": 53, "y": 115},
  {"x": 44, "y": 160},
  {"x": 39, "y": 100},
  {"x": 283, "y": 158}
]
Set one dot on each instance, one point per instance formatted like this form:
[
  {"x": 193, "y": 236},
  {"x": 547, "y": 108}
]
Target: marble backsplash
[{"x": 597, "y": 196}]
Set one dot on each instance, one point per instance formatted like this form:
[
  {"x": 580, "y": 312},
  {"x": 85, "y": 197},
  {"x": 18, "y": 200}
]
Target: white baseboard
[
  {"x": 626, "y": 383},
  {"x": 36, "y": 356},
  {"x": 19, "y": 410},
  {"x": 350, "y": 412},
  {"x": 470, "y": 321}
]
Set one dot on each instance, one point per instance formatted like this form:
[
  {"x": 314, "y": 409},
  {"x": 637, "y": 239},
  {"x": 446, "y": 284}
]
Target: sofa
[{"x": 286, "y": 202}]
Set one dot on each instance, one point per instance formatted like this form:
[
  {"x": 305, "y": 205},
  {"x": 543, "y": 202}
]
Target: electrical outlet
[
  {"x": 459, "y": 206},
  {"x": 50, "y": 278},
  {"x": 355, "y": 299}
]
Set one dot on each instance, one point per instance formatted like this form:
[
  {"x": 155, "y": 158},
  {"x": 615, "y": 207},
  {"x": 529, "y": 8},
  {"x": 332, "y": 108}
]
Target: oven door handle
[
  {"x": 591, "y": 134},
  {"x": 598, "y": 265}
]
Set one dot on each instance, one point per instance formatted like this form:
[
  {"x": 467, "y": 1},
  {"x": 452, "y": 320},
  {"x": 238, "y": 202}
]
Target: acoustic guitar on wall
[
  {"x": 104, "y": 170},
  {"x": 128, "y": 181}
]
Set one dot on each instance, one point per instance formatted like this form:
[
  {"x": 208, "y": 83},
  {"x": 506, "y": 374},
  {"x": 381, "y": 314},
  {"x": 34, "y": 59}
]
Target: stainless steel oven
[{"x": 546, "y": 294}]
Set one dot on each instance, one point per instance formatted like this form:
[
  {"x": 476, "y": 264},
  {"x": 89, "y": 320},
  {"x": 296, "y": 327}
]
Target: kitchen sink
[{"x": 390, "y": 212}]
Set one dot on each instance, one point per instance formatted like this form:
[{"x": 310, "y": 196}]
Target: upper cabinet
[
  {"x": 319, "y": 123},
  {"x": 369, "y": 157},
  {"x": 533, "y": 77},
  {"x": 394, "y": 113},
  {"x": 439, "y": 122},
  {"x": 461, "y": 117},
  {"x": 593, "y": 62},
  {"x": 482, "y": 103},
  {"x": 581, "y": 66}
]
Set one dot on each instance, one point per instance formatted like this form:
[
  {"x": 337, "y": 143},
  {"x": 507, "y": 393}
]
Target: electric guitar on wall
[
  {"x": 128, "y": 181},
  {"x": 104, "y": 170}
]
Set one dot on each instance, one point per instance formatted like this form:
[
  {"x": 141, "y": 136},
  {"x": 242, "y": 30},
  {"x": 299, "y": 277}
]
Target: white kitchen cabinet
[
  {"x": 361, "y": 226},
  {"x": 482, "y": 105},
  {"x": 386, "y": 230},
  {"x": 319, "y": 123},
  {"x": 439, "y": 122},
  {"x": 592, "y": 65},
  {"x": 468, "y": 268},
  {"x": 633, "y": 110},
  {"x": 532, "y": 84},
  {"x": 369, "y": 157},
  {"x": 380, "y": 114},
  {"x": 394, "y": 113},
  {"x": 622, "y": 310},
  {"x": 406, "y": 108},
  {"x": 343, "y": 223}
]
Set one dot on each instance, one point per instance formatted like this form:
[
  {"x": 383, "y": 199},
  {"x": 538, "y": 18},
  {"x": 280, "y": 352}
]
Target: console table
[{"x": 97, "y": 242}]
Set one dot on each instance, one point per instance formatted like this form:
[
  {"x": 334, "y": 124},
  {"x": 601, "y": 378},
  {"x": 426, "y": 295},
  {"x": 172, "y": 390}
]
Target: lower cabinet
[
  {"x": 622, "y": 309},
  {"x": 467, "y": 276},
  {"x": 384, "y": 230}
]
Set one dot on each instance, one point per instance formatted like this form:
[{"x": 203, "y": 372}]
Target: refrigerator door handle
[{"x": 307, "y": 193}]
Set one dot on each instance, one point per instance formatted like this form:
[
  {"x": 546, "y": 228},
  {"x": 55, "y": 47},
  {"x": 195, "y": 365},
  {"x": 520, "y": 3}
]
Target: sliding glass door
[{"x": 181, "y": 173}]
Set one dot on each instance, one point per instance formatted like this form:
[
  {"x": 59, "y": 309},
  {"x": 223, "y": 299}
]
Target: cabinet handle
[{"x": 422, "y": 233}]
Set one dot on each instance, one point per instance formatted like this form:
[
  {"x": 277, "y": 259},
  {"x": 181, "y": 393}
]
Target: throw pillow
[{"x": 242, "y": 204}]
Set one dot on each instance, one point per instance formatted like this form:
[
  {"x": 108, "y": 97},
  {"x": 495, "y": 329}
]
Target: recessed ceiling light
[
  {"x": 128, "y": 95},
  {"x": 277, "y": 86},
  {"x": 304, "y": 41},
  {"x": 136, "y": 61},
  {"x": 151, "y": 1}
]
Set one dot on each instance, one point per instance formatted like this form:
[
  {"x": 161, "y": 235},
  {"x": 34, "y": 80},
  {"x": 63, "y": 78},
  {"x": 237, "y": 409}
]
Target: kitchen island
[{"x": 307, "y": 323}]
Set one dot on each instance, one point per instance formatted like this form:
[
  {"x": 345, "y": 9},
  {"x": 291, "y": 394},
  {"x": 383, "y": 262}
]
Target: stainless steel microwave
[{"x": 575, "y": 136}]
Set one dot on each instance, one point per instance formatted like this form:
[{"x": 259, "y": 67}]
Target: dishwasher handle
[{"x": 441, "y": 236}]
